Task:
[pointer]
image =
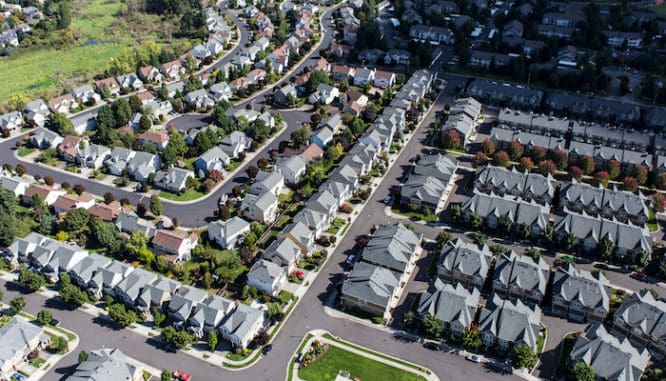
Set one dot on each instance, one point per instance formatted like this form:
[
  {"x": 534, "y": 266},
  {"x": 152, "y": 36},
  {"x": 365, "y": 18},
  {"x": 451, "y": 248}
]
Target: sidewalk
[{"x": 399, "y": 364}]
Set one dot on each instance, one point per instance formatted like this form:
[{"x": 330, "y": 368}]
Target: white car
[{"x": 473, "y": 358}]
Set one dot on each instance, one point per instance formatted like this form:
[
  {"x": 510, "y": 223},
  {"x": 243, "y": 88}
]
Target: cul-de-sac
[{"x": 332, "y": 190}]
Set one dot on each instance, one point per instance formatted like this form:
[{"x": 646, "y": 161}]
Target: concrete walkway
[{"x": 399, "y": 364}]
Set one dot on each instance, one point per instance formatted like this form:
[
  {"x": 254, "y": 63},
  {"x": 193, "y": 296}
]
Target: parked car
[
  {"x": 55, "y": 322},
  {"x": 388, "y": 200},
  {"x": 473, "y": 358},
  {"x": 639, "y": 276},
  {"x": 182, "y": 376},
  {"x": 431, "y": 344},
  {"x": 266, "y": 349},
  {"x": 349, "y": 262}
]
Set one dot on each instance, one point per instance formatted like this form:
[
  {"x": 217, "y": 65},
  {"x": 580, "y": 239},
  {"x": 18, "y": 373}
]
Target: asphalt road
[{"x": 309, "y": 314}]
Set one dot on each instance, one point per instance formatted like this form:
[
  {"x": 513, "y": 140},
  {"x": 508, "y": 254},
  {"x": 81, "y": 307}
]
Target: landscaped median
[{"x": 322, "y": 357}]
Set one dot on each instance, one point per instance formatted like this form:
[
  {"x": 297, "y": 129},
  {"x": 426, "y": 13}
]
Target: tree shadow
[
  {"x": 106, "y": 322},
  {"x": 65, "y": 371},
  {"x": 57, "y": 304}
]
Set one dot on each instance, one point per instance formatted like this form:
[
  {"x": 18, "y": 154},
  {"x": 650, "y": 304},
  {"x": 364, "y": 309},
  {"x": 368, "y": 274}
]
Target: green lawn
[
  {"x": 567, "y": 346},
  {"x": 410, "y": 214},
  {"x": 37, "y": 362},
  {"x": 188, "y": 195},
  {"x": 336, "y": 225},
  {"x": 652, "y": 223},
  {"x": 336, "y": 359},
  {"x": 25, "y": 151},
  {"x": 233, "y": 166}
]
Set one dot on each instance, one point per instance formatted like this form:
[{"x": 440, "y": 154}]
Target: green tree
[
  {"x": 145, "y": 123},
  {"x": 455, "y": 212},
  {"x": 569, "y": 241},
  {"x": 105, "y": 233},
  {"x": 317, "y": 77},
  {"x": 583, "y": 372},
  {"x": 523, "y": 356},
  {"x": 202, "y": 142},
  {"x": 122, "y": 111},
  {"x": 432, "y": 325},
  {"x": 166, "y": 375},
  {"x": 504, "y": 222},
  {"x": 410, "y": 319},
  {"x": 121, "y": 315},
  {"x": 76, "y": 224},
  {"x": 135, "y": 103},
  {"x": 179, "y": 339},
  {"x": 177, "y": 142},
  {"x": 156, "y": 207},
  {"x": 471, "y": 338},
  {"x": 17, "y": 304},
  {"x": 31, "y": 280},
  {"x": 64, "y": 15},
  {"x": 61, "y": 124},
  {"x": 44, "y": 317},
  {"x": 158, "y": 318},
  {"x": 442, "y": 239},
  {"x": 301, "y": 136},
  {"x": 258, "y": 131},
  {"x": 83, "y": 356},
  {"x": 605, "y": 248},
  {"x": 475, "y": 220},
  {"x": 59, "y": 345},
  {"x": 212, "y": 340},
  {"x": 71, "y": 294}
]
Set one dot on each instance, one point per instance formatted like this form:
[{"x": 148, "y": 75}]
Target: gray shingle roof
[
  {"x": 589, "y": 290},
  {"x": 15, "y": 337},
  {"x": 641, "y": 312},
  {"x": 282, "y": 251},
  {"x": 134, "y": 283},
  {"x": 514, "y": 182},
  {"x": 392, "y": 247},
  {"x": 265, "y": 271},
  {"x": 599, "y": 197},
  {"x": 511, "y": 321},
  {"x": 371, "y": 283},
  {"x": 241, "y": 321},
  {"x": 522, "y": 272},
  {"x": 438, "y": 166},
  {"x": 518, "y": 211},
  {"x": 465, "y": 258},
  {"x": 426, "y": 189},
  {"x": 105, "y": 365},
  {"x": 449, "y": 303},
  {"x": 613, "y": 358},
  {"x": 89, "y": 266}
]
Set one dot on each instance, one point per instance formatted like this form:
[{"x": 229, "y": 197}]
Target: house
[
  {"x": 383, "y": 79},
  {"x": 19, "y": 337},
  {"x": 465, "y": 263},
  {"x": 106, "y": 212},
  {"x": 284, "y": 95},
  {"x": 215, "y": 159},
  {"x": 642, "y": 318},
  {"x": 372, "y": 289},
  {"x": 626, "y": 239},
  {"x": 363, "y": 76},
  {"x": 355, "y": 96},
  {"x": 324, "y": 95},
  {"x": 432, "y": 34},
  {"x": 513, "y": 29},
  {"x": 86, "y": 94},
  {"x": 529, "y": 217},
  {"x": 92, "y": 156},
  {"x": 35, "y": 112},
  {"x": 227, "y": 233},
  {"x": 618, "y": 39},
  {"x": 107, "y": 364},
  {"x": 608, "y": 203},
  {"x": 129, "y": 289},
  {"x": 118, "y": 160},
  {"x": 508, "y": 323},
  {"x": 612, "y": 357},
  {"x": 256, "y": 76},
  {"x": 242, "y": 325},
  {"x": 352, "y": 108},
  {"x": 63, "y": 104},
  {"x": 340, "y": 73},
  {"x": 159, "y": 138},
  {"x": 173, "y": 179},
  {"x": 261, "y": 208},
  {"x": 316, "y": 221},
  {"x": 521, "y": 276},
  {"x": 333, "y": 122},
  {"x": 83, "y": 272},
  {"x": 68, "y": 149},
  {"x": 272, "y": 182},
  {"x": 183, "y": 302},
  {"x": 340, "y": 50},
  {"x": 323, "y": 201},
  {"x": 263, "y": 43},
  {"x": 16, "y": 185},
  {"x": 267, "y": 277},
  {"x": 130, "y": 81},
  {"x": 528, "y": 186},
  {"x": 69, "y": 202},
  {"x": 292, "y": 169},
  {"x": 199, "y": 99},
  {"x": 129, "y": 222},
  {"x": 178, "y": 245},
  {"x": 429, "y": 183},
  {"x": 396, "y": 56},
  {"x": 208, "y": 315},
  {"x": 11, "y": 122},
  {"x": 158, "y": 110},
  {"x": 150, "y": 74},
  {"x": 299, "y": 233},
  {"x": 283, "y": 252},
  {"x": 47, "y": 193},
  {"x": 173, "y": 70},
  {"x": 322, "y": 137},
  {"x": 453, "y": 305},
  {"x": 43, "y": 138},
  {"x": 395, "y": 248},
  {"x": 105, "y": 279},
  {"x": 156, "y": 294},
  {"x": 580, "y": 295},
  {"x": 462, "y": 126},
  {"x": 236, "y": 142},
  {"x": 220, "y": 91},
  {"x": 143, "y": 164},
  {"x": 65, "y": 257},
  {"x": 504, "y": 94}
]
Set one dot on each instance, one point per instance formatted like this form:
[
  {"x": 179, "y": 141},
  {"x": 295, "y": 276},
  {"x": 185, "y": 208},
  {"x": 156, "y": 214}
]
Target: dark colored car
[{"x": 267, "y": 348}]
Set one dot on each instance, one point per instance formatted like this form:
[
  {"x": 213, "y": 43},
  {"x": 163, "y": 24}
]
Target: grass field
[
  {"x": 188, "y": 195},
  {"x": 336, "y": 359},
  {"x": 100, "y": 35}
]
